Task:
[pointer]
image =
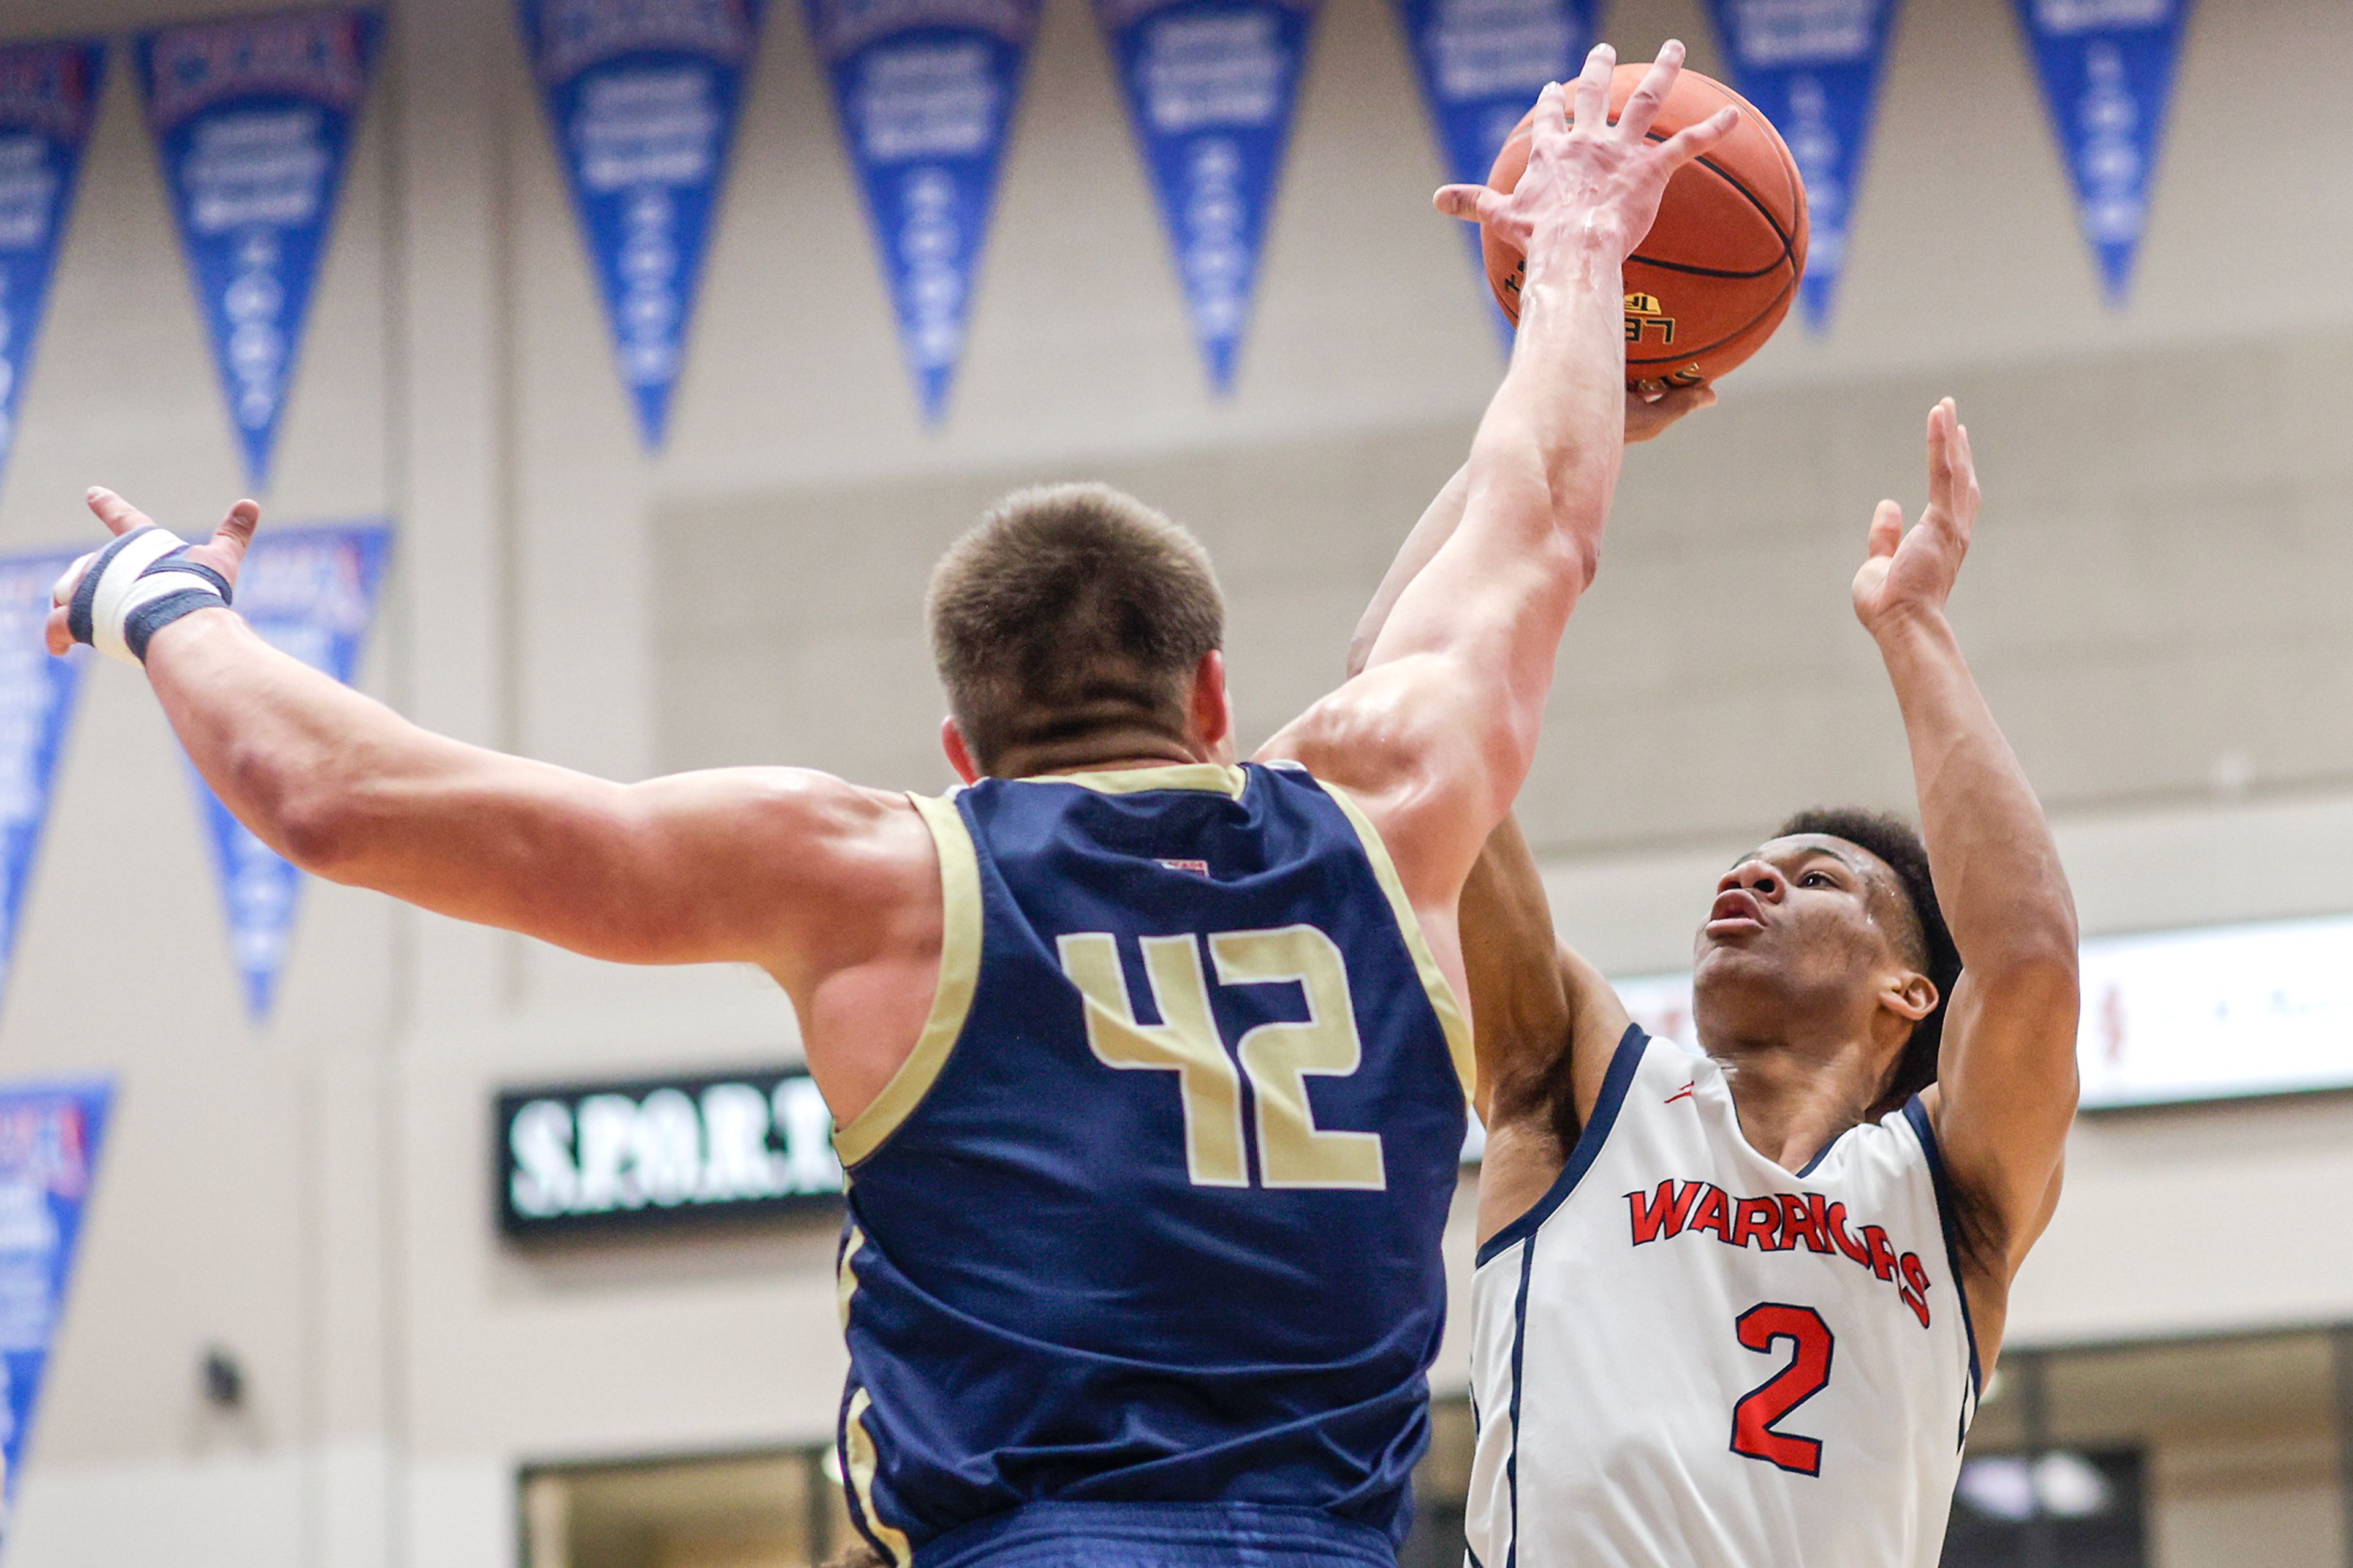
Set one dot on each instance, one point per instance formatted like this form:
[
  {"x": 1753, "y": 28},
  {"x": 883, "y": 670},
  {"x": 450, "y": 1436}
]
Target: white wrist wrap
[{"x": 139, "y": 584}]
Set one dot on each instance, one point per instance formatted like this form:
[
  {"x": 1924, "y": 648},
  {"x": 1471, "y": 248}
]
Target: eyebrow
[{"x": 1851, "y": 864}]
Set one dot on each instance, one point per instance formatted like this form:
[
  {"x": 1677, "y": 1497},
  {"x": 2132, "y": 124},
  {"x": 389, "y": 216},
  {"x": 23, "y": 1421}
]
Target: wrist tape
[{"x": 138, "y": 585}]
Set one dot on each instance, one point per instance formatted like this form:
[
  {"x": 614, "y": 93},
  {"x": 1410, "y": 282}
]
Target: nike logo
[{"x": 1683, "y": 1093}]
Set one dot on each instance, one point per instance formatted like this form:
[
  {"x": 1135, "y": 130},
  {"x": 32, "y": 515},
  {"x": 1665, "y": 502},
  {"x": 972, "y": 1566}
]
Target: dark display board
[
  {"x": 656, "y": 1153},
  {"x": 2082, "y": 1509}
]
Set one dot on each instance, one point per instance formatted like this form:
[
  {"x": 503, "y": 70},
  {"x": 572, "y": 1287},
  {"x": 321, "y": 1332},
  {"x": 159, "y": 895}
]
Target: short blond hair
[{"x": 1068, "y": 609}]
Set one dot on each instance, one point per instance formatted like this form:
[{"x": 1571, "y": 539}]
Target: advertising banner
[
  {"x": 2107, "y": 79},
  {"x": 48, "y": 95},
  {"x": 655, "y": 1153},
  {"x": 2219, "y": 1013},
  {"x": 36, "y": 704},
  {"x": 1482, "y": 64},
  {"x": 1211, "y": 85},
  {"x": 310, "y": 593},
  {"x": 253, "y": 121},
  {"x": 49, "y": 1136},
  {"x": 643, "y": 97},
  {"x": 925, "y": 91},
  {"x": 1814, "y": 68}
]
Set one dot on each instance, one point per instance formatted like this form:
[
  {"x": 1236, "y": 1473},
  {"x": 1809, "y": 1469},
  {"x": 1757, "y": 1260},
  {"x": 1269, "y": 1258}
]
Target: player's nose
[{"x": 1757, "y": 878}]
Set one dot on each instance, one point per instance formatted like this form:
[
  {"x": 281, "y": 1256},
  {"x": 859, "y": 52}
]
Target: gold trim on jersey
[
  {"x": 1433, "y": 979},
  {"x": 861, "y": 1467},
  {"x": 951, "y": 999},
  {"x": 1214, "y": 778}
]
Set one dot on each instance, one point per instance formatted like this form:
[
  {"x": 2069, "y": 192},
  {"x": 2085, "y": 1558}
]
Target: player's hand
[
  {"x": 1648, "y": 419},
  {"x": 1909, "y": 574},
  {"x": 1588, "y": 177},
  {"x": 224, "y": 552}
]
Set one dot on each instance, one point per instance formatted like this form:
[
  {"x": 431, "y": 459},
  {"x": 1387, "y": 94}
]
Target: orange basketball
[{"x": 1720, "y": 266}]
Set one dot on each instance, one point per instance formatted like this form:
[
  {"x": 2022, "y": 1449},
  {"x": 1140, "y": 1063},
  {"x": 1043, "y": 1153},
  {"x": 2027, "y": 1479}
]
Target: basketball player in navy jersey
[
  {"x": 1735, "y": 1308},
  {"x": 1146, "y": 1065}
]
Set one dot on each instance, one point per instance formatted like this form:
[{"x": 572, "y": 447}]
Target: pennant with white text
[
  {"x": 48, "y": 96},
  {"x": 643, "y": 98},
  {"x": 36, "y": 704},
  {"x": 2107, "y": 69},
  {"x": 1812, "y": 66},
  {"x": 50, "y": 1138},
  {"x": 1212, "y": 86},
  {"x": 1482, "y": 64},
  {"x": 253, "y": 121},
  {"x": 925, "y": 91}
]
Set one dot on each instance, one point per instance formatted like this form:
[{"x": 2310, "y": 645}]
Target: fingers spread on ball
[
  {"x": 1694, "y": 139},
  {"x": 1643, "y": 107},
  {"x": 1593, "y": 88}
]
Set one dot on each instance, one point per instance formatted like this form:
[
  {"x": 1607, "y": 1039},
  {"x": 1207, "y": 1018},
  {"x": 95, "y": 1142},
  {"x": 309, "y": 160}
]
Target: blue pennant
[
  {"x": 925, "y": 91},
  {"x": 48, "y": 96},
  {"x": 2107, "y": 79},
  {"x": 1211, "y": 85},
  {"x": 1482, "y": 64},
  {"x": 50, "y": 1139},
  {"x": 1814, "y": 68},
  {"x": 37, "y": 703},
  {"x": 253, "y": 121},
  {"x": 309, "y": 592},
  {"x": 643, "y": 97}
]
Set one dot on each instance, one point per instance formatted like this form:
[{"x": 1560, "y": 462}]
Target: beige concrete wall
[{"x": 2154, "y": 597}]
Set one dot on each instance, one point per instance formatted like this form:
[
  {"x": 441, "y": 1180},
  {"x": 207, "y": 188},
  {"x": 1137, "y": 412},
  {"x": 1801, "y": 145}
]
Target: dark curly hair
[{"x": 1897, "y": 842}]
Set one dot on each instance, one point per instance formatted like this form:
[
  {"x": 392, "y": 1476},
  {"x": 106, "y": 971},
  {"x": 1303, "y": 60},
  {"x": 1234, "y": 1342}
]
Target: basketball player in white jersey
[{"x": 1734, "y": 1308}]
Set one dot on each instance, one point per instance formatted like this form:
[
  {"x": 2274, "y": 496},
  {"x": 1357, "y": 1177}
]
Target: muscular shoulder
[{"x": 830, "y": 871}]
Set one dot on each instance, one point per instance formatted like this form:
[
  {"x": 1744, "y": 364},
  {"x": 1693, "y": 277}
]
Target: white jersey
[{"x": 1686, "y": 1355}]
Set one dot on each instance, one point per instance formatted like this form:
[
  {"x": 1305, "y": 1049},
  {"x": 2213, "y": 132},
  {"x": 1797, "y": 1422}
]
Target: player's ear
[
  {"x": 1910, "y": 994},
  {"x": 952, "y": 741},
  {"x": 1213, "y": 705}
]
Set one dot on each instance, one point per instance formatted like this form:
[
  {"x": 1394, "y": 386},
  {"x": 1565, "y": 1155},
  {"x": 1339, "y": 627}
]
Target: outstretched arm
[
  {"x": 741, "y": 865},
  {"x": 1438, "y": 731},
  {"x": 2006, "y": 1079}
]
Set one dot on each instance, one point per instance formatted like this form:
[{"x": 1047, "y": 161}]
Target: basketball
[{"x": 1720, "y": 266}]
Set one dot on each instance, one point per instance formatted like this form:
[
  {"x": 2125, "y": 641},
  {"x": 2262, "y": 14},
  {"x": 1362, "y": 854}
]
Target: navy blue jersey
[{"x": 1152, "y": 1213}]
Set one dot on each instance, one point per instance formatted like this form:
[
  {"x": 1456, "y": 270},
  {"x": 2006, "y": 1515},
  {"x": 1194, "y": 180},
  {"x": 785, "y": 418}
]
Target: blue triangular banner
[
  {"x": 1211, "y": 85},
  {"x": 48, "y": 96},
  {"x": 253, "y": 121},
  {"x": 643, "y": 99},
  {"x": 310, "y": 593},
  {"x": 36, "y": 704},
  {"x": 925, "y": 91},
  {"x": 1483, "y": 63},
  {"x": 2107, "y": 71},
  {"x": 50, "y": 1139},
  {"x": 1814, "y": 68}
]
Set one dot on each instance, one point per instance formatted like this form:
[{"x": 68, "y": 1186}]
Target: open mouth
[{"x": 1736, "y": 911}]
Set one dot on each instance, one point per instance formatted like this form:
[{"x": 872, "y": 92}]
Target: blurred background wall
[{"x": 2155, "y": 608}]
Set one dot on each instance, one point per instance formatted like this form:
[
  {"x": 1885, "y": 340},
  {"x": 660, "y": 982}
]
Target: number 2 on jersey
[
  {"x": 1293, "y": 1151},
  {"x": 1808, "y": 1372}
]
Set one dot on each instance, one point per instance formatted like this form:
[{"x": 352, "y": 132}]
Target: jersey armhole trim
[
  {"x": 951, "y": 999},
  {"x": 1433, "y": 979},
  {"x": 1915, "y": 1112},
  {"x": 1614, "y": 1087}
]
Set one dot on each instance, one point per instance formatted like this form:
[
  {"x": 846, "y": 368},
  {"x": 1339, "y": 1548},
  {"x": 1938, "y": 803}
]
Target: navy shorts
[{"x": 1159, "y": 1535}]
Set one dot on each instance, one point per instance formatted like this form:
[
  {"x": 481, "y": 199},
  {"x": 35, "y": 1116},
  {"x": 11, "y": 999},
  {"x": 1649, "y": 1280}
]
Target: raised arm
[
  {"x": 762, "y": 866},
  {"x": 2006, "y": 1079},
  {"x": 1438, "y": 731}
]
